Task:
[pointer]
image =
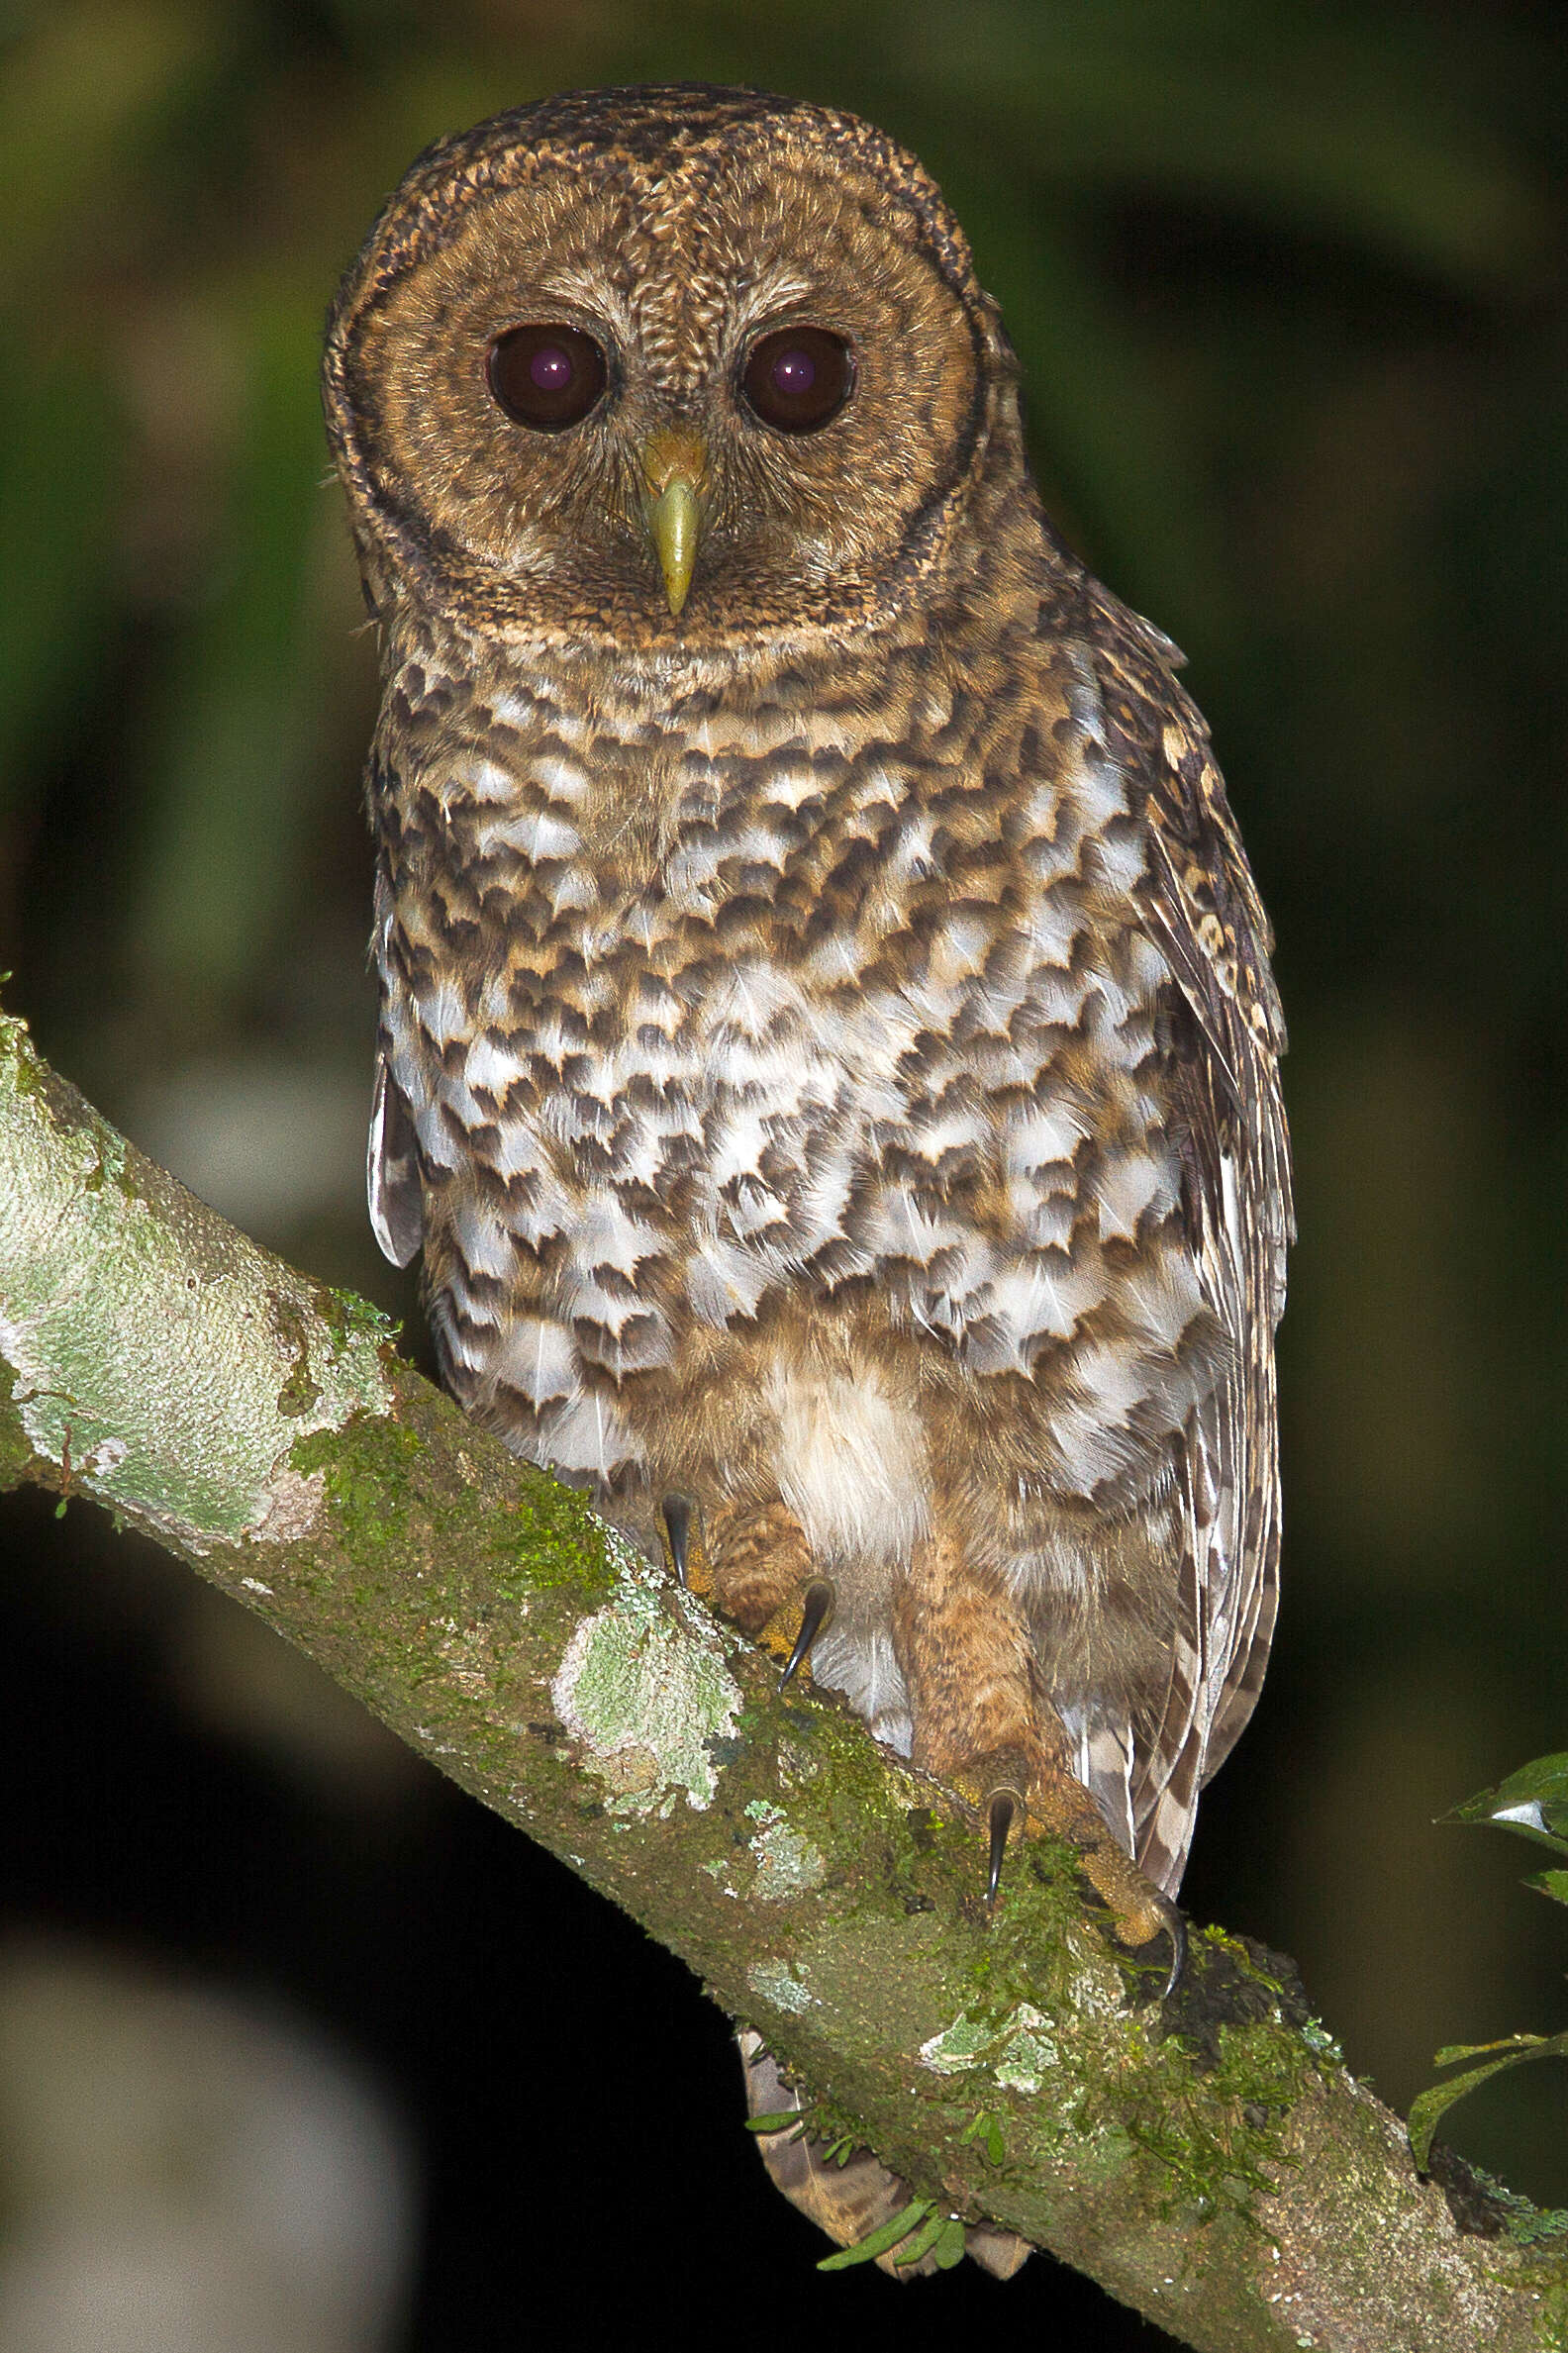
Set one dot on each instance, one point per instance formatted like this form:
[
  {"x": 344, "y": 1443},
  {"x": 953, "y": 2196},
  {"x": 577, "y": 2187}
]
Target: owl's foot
[
  {"x": 981, "y": 1724},
  {"x": 761, "y": 1565},
  {"x": 752, "y": 1562},
  {"x": 1011, "y": 1799}
]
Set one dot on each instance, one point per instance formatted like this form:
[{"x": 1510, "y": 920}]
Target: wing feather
[
  {"x": 1228, "y": 1034},
  {"x": 392, "y": 1180}
]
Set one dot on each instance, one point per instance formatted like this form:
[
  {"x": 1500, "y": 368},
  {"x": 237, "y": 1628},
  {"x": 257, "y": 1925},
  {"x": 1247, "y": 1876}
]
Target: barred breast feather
[{"x": 931, "y": 1031}]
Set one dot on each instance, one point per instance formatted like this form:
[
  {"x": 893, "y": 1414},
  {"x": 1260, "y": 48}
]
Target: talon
[
  {"x": 1169, "y": 1923},
  {"x": 678, "y": 1511},
  {"x": 1176, "y": 1931},
  {"x": 816, "y": 1610},
  {"x": 1142, "y": 1912},
  {"x": 1004, "y": 1805}
]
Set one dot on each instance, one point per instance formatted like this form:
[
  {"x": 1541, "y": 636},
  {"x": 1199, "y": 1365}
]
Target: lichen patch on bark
[
  {"x": 1018, "y": 2053},
  {"x": 183, "y": 1428},
  {"x": 644, "y": 1689},
  {"x": 781, "y": 1984},
  {"x": 786, "y": 1863}
]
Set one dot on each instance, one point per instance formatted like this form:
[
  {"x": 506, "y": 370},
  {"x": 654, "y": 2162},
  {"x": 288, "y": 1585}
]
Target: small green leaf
[
  {"x": 778, "y": 2121},
  {"x": 922, "y": 2241},
  {"x": 1452, "y": 2052},
  {"x": 879, "y": 2243},
  {"x": 950, "y": 2247},
  {"x": 1431, "y": 2104},
  {"x": 1534, "y": 1802},
  {"x": 1549, "y": 1883},
  {"x": 983, "y": 2125}
]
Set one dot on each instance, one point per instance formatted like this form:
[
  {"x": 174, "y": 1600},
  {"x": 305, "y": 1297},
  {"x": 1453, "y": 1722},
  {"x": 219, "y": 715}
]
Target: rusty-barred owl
[{"x": 827, "y": 1050}]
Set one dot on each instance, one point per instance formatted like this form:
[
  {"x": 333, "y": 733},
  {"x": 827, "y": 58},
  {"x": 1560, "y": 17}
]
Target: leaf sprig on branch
[{"x": 1534, "y": 1802}]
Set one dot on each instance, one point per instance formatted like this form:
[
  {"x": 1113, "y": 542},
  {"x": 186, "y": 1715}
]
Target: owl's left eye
[
  {"x": 798, "y": 378},
  {"x": 546, "y": 375}
]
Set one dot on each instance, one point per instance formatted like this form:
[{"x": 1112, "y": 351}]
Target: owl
[{"x": 828, "y": 1050}]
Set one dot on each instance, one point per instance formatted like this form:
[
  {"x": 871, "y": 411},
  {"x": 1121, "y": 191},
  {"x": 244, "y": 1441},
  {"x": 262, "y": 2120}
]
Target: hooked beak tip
[
  {"x": 674, "y": 524},
  {"x": 673, "y": 471}
]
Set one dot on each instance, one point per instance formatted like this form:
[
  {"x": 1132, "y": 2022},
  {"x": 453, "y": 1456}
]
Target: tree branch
[{"x": 1212, "y": 2164}]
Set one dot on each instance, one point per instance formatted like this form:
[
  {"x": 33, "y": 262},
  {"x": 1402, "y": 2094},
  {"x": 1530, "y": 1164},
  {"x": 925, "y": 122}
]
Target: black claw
[
  {"x": 1176, "y": 1931},
  {"x": 677, "y": 1513},
  {"x": 816, "y": 1610},
  {"x": 1004, "y": 1805}
]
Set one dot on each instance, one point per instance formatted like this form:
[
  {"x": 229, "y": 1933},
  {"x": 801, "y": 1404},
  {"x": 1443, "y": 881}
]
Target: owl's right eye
[{"x": 546, "y": 375}]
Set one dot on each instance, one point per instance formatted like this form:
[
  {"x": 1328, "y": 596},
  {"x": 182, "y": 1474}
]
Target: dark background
[{"x": 1287, "y": 284}]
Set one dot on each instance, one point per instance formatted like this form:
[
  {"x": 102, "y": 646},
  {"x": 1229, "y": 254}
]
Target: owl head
[{"x": 662, "y": 370}]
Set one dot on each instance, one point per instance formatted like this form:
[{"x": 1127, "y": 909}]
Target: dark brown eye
[
  {"x": 798, "y": 379},
  {"x": 546, "y": 375}
]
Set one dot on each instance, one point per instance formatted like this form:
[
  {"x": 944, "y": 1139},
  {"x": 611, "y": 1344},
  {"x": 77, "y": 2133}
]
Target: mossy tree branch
[{"x": 1213, "y": 2165}]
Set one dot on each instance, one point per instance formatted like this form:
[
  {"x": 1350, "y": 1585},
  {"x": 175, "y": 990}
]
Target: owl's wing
[{"x": 1202, "y": 907}]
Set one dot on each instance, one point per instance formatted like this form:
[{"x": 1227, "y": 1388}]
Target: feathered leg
[{"x": 982, "y": 1724}]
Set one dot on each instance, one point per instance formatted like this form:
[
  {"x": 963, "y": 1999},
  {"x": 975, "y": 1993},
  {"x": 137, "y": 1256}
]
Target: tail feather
[{"x": 849, "y": 2202}]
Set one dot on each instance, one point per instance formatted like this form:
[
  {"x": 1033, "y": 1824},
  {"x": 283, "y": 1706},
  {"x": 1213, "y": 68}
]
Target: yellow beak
[{"x": 674, "y": 467}]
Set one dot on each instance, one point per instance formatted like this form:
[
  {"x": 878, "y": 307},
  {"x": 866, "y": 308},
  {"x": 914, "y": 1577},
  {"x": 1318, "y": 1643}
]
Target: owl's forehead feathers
[
  {"x": 683, "y": 178},
  {"x": 677, "y": 289}
]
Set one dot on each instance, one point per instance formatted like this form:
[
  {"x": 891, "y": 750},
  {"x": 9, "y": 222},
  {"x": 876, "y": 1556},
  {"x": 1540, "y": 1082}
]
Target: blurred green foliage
[
  {"x": 1287, "y": 283},
  {"x": 1533, "y": 1804}
]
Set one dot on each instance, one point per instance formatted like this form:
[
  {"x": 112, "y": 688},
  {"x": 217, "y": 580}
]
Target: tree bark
[{"x": 1209, "y": 2161}]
